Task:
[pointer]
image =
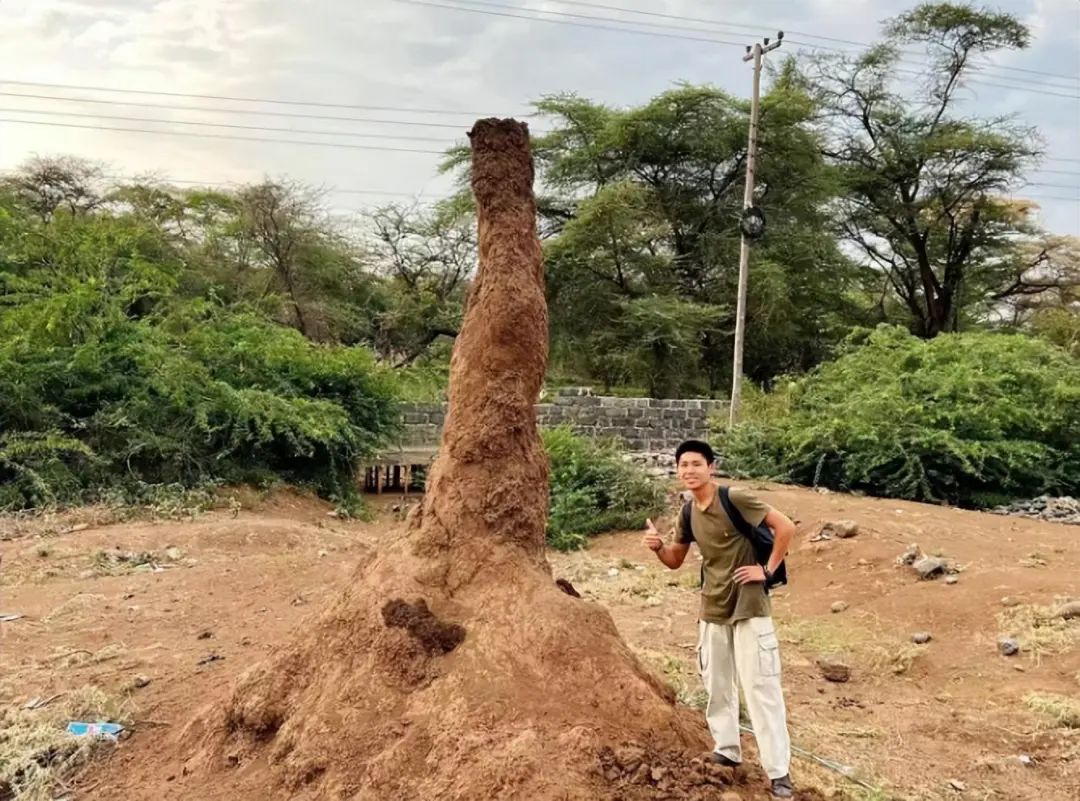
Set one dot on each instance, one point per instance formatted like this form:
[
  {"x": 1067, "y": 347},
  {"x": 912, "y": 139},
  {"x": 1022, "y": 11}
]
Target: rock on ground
[
  {"x": 834, "y": 669},
  {"x": 931, "y": 567}
]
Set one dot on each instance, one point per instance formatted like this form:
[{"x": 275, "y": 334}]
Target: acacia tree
[
  {"x": 425, "y": 258},
  {"x": 921, "y": 186},
  {"x": 644, "y": 203},
  {"x": 48, "y": 184}
]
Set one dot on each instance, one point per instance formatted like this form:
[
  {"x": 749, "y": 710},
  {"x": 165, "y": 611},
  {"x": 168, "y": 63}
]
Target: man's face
[{"x": 693, "y": 470}]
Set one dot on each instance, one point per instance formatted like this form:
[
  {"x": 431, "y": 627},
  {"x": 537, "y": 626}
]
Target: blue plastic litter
[{"x": 81, "y": 729}]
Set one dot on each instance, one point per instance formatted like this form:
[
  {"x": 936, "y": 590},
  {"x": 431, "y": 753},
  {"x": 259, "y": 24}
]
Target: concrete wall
[{"x": 642, "y": 424}]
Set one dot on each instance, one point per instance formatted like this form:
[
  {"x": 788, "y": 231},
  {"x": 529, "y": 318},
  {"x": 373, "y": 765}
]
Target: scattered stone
[
  {"x": 174, "y": 554},
  {"x": 910, "y": 556},
  {"x": 952, "y": 579},
  {"x": 1068, "y": 611},
  {"x": 323, "y": 553},
  {"x": 1045, "y": 507},
  {"x": 1009, "y": 601},
  {"x": 1025, "y": 760},
  {"x": 211, "y": 657},
  {"x": 864, "y": 563},
  {"x": 1008, "y": 646},
  {"x": 839, "y": 606},
  {"x": 921, "y": 638},
  {"x": 658, "y": 773},
  {"x": 140, "y": 682},
  {"x": 656, "y": 464},
  {"x": 841, "y": 529},
  {"x": 959, "y": 786},
  {"x": 834, "y": 669},
  {"x": 613, "y": 572},
  {"x": 930, "y": 567},
  {"x": 1034, "y": 560}
]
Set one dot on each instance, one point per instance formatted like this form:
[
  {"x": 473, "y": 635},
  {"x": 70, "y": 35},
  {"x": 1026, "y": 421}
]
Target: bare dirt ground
[{"x": 951, "y": 719}]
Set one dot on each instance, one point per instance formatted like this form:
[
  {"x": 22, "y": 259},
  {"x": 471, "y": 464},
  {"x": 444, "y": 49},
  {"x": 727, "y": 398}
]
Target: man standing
[{"x": 737, "y": 643}]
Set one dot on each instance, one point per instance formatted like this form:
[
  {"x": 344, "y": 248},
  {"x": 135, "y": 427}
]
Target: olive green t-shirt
[{"x": 723, "y": 549}]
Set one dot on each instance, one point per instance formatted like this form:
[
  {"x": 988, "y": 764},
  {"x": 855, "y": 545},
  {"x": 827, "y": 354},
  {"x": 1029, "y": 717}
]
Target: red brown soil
[
  {"x": 957, "y": 714},
  {"x": 541, "y": 691}
]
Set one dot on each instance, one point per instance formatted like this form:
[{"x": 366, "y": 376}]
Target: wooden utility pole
[{"x": 753, "y": 53}]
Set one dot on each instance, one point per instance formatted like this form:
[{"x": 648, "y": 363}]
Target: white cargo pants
[{"x": 745, "y": 655}]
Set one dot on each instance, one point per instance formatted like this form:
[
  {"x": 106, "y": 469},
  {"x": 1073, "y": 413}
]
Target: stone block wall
[{"x": 640, "y": 424}]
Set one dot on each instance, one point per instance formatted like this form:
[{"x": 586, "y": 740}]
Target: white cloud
[{"x": 382, "y": 52}]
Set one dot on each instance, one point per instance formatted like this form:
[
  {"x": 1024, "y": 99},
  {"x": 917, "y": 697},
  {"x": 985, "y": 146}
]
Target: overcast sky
[{"x": 408, "y": 55}]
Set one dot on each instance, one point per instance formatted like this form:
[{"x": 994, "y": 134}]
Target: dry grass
[
  {"x": 679, "y": 675},
  {"x": 73, "y": 606},
  {"x": 859, "y": 642},
  {"x": 1060, "y": 710},
  {"x": 852, "y": 775},
  {"x": 66, "y": 659},
  {"x": 53, "y": 522},
  {"x": 1039, "y": 630},
  {"x": 116, "y": 563},
  {"x": 37, "y": 755}
]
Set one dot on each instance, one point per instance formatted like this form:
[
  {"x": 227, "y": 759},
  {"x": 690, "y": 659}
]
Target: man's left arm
[
  {"x": 756, "y": 512},
  {"x": 783, "y": 531}
]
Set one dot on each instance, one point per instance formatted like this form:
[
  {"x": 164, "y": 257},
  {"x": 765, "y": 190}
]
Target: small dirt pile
[{"x": 453, "y": 667}]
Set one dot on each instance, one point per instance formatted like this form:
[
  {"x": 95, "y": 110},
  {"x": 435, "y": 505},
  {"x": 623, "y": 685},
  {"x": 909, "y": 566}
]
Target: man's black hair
[{"x": 695, "y": 446}]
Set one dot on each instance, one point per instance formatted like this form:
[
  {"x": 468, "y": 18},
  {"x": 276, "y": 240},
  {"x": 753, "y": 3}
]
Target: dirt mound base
[{"x": 493, "y": 683}]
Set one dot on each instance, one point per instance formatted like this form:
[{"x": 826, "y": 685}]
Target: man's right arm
[{"x": 673, "y": 554}]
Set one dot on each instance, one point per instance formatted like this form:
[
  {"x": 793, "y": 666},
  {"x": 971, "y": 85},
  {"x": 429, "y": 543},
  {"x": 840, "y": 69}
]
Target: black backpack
[{"x": 761, "y": 537}]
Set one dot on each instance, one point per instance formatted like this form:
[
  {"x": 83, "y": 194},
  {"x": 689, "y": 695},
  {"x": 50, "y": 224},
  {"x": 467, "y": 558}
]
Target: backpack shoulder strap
[
  {"x": 684, "y": 519},
  {"x": 734, "y": 515}
]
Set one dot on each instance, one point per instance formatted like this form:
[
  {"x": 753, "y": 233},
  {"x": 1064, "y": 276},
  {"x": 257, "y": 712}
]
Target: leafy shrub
[
  {"x": 963, "y": 418},
  {"x": 113, "y": 381},
  {"x": 593, "y": 490}
]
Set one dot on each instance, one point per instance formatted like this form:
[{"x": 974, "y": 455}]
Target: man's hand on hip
[{"x": 750, "y": 574}]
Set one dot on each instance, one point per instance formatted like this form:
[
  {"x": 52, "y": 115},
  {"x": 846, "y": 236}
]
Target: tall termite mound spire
[{"x": 489, "y": 484}]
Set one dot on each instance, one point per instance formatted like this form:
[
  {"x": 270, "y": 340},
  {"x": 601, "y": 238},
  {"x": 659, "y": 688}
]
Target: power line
[
  {"x": 200, "y": 135},
  {"x": 756, "y": 29},
  {"x": 573, "y": 24},
  {"x": 273, "y": 101},
  {"x": 299, "y": 115},
  {"x": 309, "y": 143},
  {"x": 252, "y": 112},
  {"x": 222, "y": 125},
  {"x": 331, "y": 189},
  {"x": 1053, "y": 186},
  {"x": 645, "y": 29},
  {"x": 420, "y": 195},
  {"x": 1029, "y": 90},
  {"x": 1026, "y": 196}
]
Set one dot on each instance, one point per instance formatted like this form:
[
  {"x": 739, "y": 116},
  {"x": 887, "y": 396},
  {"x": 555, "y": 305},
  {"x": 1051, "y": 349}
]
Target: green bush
[
  {"x": 224, "y": 397},
  {"x": 968, "y": 419},
  {"x": 114, "y": 381},
  {"x": 593, "y": 490}
]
